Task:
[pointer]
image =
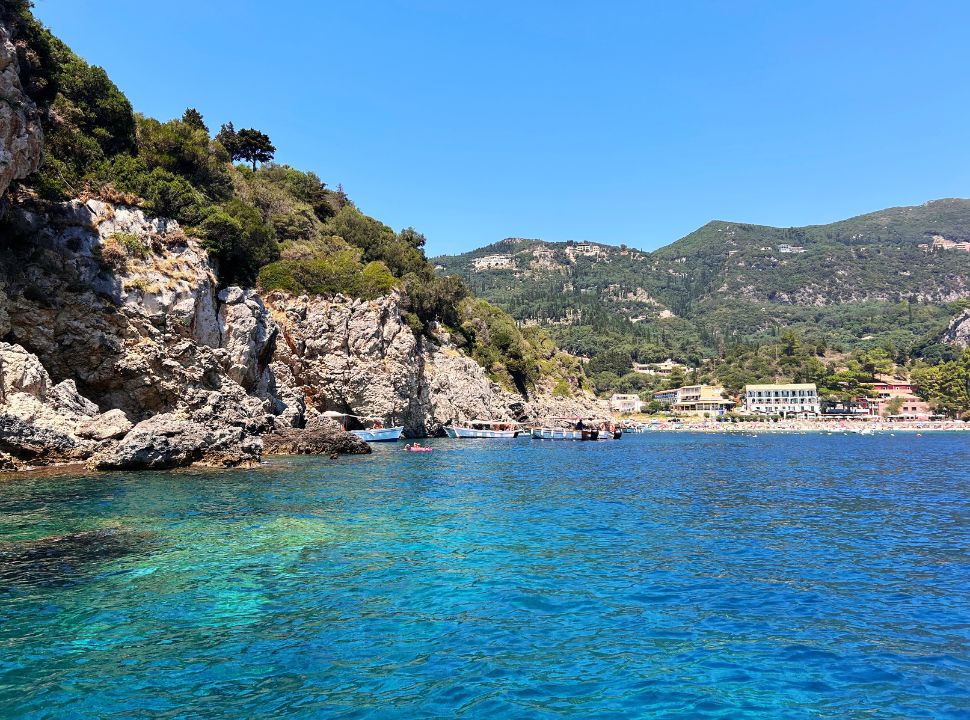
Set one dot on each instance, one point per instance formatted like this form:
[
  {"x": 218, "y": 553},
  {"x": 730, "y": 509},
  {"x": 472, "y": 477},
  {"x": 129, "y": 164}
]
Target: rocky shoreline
[{"x": 147, "y": 363}]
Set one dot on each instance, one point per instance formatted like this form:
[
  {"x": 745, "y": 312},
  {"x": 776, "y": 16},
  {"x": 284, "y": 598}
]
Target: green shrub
[
  {"x": 338, "y": 272},
  {"x": 561, "y": 389},
  {"x": 240, "y": 242},
  {"x": 133, "y": 245}
]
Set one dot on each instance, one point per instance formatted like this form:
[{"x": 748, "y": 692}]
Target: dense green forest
[
  {"x": 264, "y": 224},
  {"x": 722, "y": 298}
]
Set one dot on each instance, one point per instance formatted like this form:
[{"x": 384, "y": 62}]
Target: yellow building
[{"x": 695, "y": 399}]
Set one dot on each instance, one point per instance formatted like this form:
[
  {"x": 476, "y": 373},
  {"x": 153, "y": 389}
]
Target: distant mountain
[{"x": 886, "y": 278}]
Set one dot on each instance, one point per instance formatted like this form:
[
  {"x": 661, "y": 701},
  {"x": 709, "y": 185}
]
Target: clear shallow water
[{"x": 674, "y": 576}]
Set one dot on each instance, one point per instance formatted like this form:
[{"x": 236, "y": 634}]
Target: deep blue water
[{"x": 674, "y": 576}]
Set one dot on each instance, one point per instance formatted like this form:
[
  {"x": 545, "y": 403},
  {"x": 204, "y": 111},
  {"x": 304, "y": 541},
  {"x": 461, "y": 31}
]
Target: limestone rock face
[
  {"x": 958, "y": 332},
  {"x": 321, "y": 436},
  {"x": 21, "y": 137},
  {"x": 109, "y": 309},
  {"x": 106, "y": 426},
  {"x": 167, "y": 441},
  {"x": 39, "y": 420},
  {"x": 360, "y": 357}
]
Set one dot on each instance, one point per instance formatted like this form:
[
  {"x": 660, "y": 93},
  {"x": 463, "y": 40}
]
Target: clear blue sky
[{"x": 629, "y": 122}]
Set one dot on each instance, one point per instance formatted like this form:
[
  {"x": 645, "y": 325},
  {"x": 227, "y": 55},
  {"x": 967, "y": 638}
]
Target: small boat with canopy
[
  {"x": 565, "y": 428},
  {"x": 486, "y": 429},
  {"x": 372, "y": 428}
]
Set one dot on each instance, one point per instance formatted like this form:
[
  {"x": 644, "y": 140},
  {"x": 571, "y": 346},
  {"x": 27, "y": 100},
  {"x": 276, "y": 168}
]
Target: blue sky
[{"x": 618, "y": 121}]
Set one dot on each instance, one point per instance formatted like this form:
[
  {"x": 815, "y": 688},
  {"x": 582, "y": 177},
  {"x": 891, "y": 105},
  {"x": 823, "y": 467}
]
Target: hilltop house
[
  {"x": 663, "y": 369},
  {"x": 941, "y": 243},
  {"x": 493, "y": 262},
  {"x": 785, "y": 400}
]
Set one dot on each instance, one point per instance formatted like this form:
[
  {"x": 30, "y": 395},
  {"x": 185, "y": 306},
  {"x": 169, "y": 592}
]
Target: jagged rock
[
  {"x": 153, "y": 337},
  {"x": 166, "y": 441},
  {"x": 38, "y": 421},
  {"x": 9, "y": 463},
  {"x": 248, "y": 334},
  {"x": 112, "y": 424},
  {"x": 958, "y": 332},
  {"x": 321, "y": 436},
  {"x": 360, "y": 356},
  {"x": 21, "y": 137}
]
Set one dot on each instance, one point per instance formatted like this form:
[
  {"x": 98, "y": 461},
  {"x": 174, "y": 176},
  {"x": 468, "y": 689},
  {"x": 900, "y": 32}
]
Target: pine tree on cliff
[{"x": 247, "y": 144}]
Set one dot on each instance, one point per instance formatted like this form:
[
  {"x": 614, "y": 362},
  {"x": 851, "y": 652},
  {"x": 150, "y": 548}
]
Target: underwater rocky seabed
[{"x": 672, "y": 575}]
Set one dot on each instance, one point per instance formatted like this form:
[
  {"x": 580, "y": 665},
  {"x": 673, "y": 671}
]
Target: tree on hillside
[
  {"x": 229, "y": 139},
  {"x": 253, "y": 147},
  {"x": 946, "y": 386},
  {"x": 412, "y": 237},
  {"x": 193, "y": 118}
]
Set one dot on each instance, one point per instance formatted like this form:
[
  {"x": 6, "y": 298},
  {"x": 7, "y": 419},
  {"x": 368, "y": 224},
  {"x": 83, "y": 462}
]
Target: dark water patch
[{"x": 68, "y": 558}]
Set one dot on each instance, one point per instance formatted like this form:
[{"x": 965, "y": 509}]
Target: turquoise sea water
[{"x": 673, "y": 576}]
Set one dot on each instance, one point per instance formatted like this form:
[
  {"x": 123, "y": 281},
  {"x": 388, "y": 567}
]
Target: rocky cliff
[
  {"x": 958, "y": 331},
  {"x": 119, "y": 343},
  {"x": 21, "y": 137}
]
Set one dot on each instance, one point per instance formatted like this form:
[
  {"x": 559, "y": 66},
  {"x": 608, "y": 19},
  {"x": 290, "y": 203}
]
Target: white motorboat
[
  {"x": 392, "y": 434},
  {"x": 375, "y": 433}
]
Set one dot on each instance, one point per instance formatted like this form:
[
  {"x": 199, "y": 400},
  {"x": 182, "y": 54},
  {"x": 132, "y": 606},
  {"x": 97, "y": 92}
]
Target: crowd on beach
[{"x": 804, "y": 425}]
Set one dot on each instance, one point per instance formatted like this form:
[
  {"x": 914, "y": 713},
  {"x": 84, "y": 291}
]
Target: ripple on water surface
[{"x": 661, "y": 576}]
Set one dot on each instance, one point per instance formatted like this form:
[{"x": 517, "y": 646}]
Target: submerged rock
[
  {"x": 321, "y": 436},
  {"x": 166, "y": 441},
  {"x": 59, "y": 558}
]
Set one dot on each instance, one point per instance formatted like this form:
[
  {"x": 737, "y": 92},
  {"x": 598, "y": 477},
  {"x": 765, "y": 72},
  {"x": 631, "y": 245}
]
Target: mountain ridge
[{"x": 869, "y": 280}]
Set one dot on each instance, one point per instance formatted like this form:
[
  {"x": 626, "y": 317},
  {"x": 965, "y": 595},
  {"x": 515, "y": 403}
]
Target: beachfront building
[
  {"x": 695, "y": 400},
  {"x": 666, "y": 397},
  {"x": 626, "y": 403},
  {"x": 897, "y": 399},
  {"x": 785, "y": 400}
]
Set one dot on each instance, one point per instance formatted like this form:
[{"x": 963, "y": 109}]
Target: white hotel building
[{"x": 792, "y": 399}]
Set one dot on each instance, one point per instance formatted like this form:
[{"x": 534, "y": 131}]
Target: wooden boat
[
  {"x": 483, "y": 429},
  {"x": 551, "y": 433},
  {"x": 376, "y": 433}
]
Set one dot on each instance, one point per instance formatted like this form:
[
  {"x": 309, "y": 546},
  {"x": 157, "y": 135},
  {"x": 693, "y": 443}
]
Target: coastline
[{"x": 830, "y": 427}]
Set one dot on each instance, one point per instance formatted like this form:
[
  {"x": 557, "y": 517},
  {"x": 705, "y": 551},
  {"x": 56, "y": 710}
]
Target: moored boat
[
  {"x": 375, "y": 433},
  {"x": 483, "y": 429},
  {"x": 550, "y": 433},
  {"x": 392, "y": 434}
]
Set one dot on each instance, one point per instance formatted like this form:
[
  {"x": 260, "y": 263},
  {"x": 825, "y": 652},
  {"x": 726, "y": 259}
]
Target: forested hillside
[{"x": 880, "y": 280}]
